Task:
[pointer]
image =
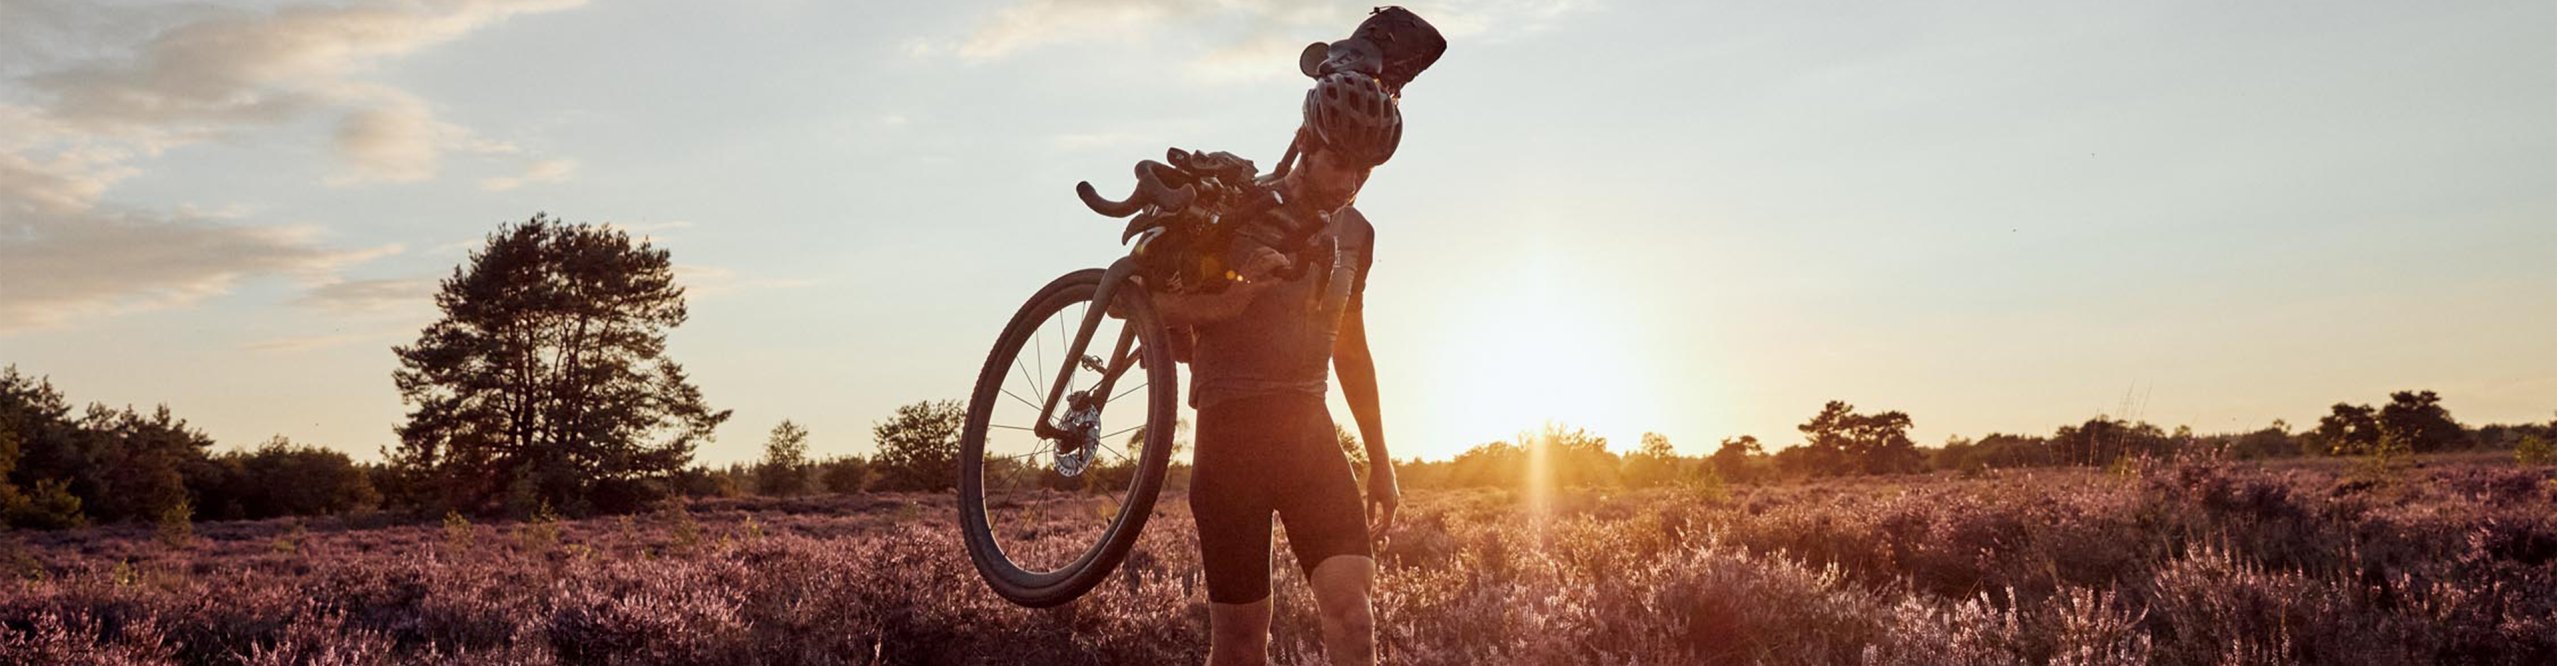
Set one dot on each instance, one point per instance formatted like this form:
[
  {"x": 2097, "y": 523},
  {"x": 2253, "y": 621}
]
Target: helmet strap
[{"x": 1296, "y": 150}]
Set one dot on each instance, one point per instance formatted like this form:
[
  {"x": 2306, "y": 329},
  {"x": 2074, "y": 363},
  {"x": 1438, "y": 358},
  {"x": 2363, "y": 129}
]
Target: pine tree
[{"x": 547, "y": 380}]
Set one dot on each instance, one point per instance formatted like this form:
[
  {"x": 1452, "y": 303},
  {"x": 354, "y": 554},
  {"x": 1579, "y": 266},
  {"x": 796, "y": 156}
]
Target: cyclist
[{"x": 1266, "y": 442}]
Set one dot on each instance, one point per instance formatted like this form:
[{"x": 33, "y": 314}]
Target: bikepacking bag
[{"x": 1393, "y": 45}]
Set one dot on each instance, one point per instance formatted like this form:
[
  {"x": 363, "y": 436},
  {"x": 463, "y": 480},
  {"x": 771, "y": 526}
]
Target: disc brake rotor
[{"x": 1082, "y": 426}]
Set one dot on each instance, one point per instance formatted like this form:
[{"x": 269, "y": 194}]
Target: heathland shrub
[{"x": 2189, "y": 564}]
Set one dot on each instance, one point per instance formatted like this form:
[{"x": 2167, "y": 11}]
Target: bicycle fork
[{"x": 1094, "y": 398}]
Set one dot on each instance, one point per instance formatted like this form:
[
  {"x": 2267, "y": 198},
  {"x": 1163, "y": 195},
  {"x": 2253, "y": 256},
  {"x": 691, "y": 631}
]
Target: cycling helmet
[{"x": 1353, "y": 113}]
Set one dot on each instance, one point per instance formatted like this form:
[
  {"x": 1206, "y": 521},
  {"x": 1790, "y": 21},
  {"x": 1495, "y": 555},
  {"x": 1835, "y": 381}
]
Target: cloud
[
  {"x": 238, "y": 69},
  {"x": 545, "y": 171},
  {"x": 306, "y": 342},
  {"x": 400, "y": 143},
  {"x": 248, "y": 67},
  {"x": 1033, "y": 23},
  {"x": 57, "y": 267},
  {"x": 370, "y": 296},
  {"x": 126, "y": 86},
  {"x": 1264, "y": 35}
]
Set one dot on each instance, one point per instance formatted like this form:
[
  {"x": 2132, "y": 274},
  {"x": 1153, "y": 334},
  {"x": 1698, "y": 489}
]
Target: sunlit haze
[{"x": 1698, "y": 219}]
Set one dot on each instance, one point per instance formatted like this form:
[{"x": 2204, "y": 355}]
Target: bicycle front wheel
[{"x": 1054, "y": 490}]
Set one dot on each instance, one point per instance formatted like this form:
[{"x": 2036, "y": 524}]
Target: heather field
[{"x": 2449, "y": 562}]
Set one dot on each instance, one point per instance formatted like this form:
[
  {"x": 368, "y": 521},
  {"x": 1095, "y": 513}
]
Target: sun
[{"x": 1533, "y": 344}]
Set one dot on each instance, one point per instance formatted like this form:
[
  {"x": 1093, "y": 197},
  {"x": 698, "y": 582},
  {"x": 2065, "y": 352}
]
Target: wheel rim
[{"x": 1049, "y": 506}]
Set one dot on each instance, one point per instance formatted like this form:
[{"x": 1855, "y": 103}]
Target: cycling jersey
[{"x": 1281, "y": 343}]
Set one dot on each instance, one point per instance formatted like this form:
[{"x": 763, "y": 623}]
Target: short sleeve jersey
[{"x": 1282, "y": 341}]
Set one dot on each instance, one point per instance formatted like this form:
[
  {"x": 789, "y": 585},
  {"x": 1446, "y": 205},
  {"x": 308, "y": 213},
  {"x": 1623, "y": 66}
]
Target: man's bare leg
[
  {"x": 1239, "y": 633},
  {"x": 1341, "y": 584}
]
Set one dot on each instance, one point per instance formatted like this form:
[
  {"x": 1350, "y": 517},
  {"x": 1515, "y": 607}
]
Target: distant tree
[
  {"x": 2104, "y": 440},
  {"x": 847, "y": 474},
  {"x": 2001, "y": 450},
  {"x": 1732, "y": 459},
  {"x": 1496, "y": 464},
  {"x": 2417, "y": 419},
  {"x": 38, "y": 445},
  {"x": 2272, "y": 441},
  {"x": 2347, "y": 429},
  {"x": 2534, "y": 450},
  {"x": 47, "y": 505},
  {"x": 1841, "y": 441},
  {"x": 1654, "y": 463},
  {"x": 1572, "y": 457},
  {"x": 1958, "y": 453},
  {"x": 784, "y": 469},
  {"x": 546, "y": 381},
  {"x": 135, "y": 467},
  {"x": 919, "y": 446},
  {"x": 280, "y": 478}
]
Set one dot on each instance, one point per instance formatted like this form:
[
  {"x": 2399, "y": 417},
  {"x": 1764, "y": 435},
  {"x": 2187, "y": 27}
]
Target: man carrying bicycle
[{"x": 1266, "y": 441}]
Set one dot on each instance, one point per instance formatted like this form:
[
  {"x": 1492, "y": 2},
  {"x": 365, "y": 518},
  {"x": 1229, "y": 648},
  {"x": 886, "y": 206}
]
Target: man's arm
[
  {"x": 1357, "y": 369},
  {"x": 1196, "y": 309}
]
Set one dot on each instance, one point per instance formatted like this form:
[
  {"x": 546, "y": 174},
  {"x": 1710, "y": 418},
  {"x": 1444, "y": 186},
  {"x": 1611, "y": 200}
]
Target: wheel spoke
[
  {"x": 1025, "y": 377},
  {"x": 1013, "y": 427},
  {"x": 1018, "y": 456},
  {"x": 1025, "y": 402},
  {"x": 1121, "y": 431},
  {"x": 1123, "y": 394}
]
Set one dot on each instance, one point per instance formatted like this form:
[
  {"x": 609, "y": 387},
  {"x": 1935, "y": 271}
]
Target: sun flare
[{"x": 1536, "y": 345}]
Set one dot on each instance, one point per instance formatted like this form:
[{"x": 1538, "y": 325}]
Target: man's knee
[
  {"x": 1352, "y": 618},
  {"x": 1341, "y": 592}
]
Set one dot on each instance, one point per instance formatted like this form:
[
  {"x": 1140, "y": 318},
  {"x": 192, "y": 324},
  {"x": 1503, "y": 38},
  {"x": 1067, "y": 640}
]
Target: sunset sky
[{"x": 1700, "y": 219}]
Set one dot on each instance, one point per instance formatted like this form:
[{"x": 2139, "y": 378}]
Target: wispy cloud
[
  {"x": 1261, "y": 36},
  {"x": 57, "y": 267},
  {"x": 370, "y": 296},
  {"x": 297, "y": 343},
  {"x": 81, "y": 118},
  {"x": 545, "y": 171}
]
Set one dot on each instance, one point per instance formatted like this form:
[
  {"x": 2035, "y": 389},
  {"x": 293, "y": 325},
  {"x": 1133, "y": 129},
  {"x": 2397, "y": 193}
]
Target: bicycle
[{"x": 1047, "y": 504}]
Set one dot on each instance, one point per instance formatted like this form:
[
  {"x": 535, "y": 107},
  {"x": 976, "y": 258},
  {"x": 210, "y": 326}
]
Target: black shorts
[{"x": 1264, "y": 455}]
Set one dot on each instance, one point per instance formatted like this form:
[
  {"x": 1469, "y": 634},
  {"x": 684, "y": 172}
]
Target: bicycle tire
[{"x": 1007, "y": 578}]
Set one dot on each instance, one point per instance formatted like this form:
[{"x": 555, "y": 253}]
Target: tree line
[{"x": 1841, "y": 441}]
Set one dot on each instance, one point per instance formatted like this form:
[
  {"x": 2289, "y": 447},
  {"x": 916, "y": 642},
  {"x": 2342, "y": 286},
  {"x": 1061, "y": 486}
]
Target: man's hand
[
  {"x": 1261, "y": 264},
  {"x": 1383, "y": 495}
]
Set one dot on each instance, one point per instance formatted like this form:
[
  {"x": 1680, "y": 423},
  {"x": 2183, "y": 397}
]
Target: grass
[{"x": 2177, "y": 564}]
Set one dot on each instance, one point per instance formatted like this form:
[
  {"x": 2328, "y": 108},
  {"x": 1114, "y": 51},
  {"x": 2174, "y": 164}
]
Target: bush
[
  {"x": 48, "y": 506},
  {"x": 848, "y": 474},
  {"x": 919, "y": 446},
  {"x": 2534, "y": 450},
  {"x": 281, "y": 478}
]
